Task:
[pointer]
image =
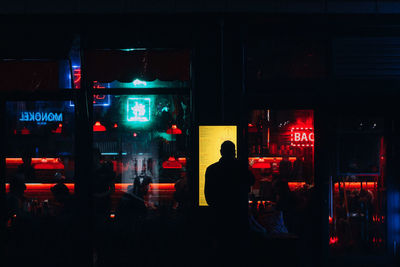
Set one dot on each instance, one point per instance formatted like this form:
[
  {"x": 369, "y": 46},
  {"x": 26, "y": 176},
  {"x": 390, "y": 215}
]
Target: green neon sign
[{"x": 138, "y": 109}]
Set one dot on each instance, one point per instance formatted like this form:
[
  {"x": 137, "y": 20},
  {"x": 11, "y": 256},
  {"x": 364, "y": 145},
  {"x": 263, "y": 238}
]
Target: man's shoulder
[{"x": 213, "y": 166}]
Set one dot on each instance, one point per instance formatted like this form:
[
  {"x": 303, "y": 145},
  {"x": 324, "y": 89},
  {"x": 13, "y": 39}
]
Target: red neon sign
[
  {"x": 77, "y": 78},
  {"x": 97, "y": 99},
  {"x": 302, "y": 136}
]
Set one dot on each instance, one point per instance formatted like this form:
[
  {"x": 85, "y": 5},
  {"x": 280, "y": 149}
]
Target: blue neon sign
[
  {"x": 41, "y": 117},
  {"x": 98, "y": 100}
]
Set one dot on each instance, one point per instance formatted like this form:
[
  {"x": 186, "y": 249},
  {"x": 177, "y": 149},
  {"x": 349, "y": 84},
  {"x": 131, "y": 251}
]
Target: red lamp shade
[
  {"x": 174, "y": 130},
  {"x": 171, "y": 163},
  {"x": 25, "y": 131},
  {"x": 58, "y": 130},
  {"x": 97, "y": 127}
]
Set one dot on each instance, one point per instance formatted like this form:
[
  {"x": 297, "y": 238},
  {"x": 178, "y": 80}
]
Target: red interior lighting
[
  {"x": 25, "y": 131},
  {"x": 171, "y": 163},
  {"x": 97, "y": 127},
  {"x": 333, "y": 240},
  {"x": 58, "y": 130},
  {"x": 174, "y": 130},
  {"x": 302, "y": 136}
]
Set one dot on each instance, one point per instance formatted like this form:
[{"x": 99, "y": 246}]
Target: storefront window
[
  {"x": 39, "y": 155},
  {"x": 281, "y": 157},
  {"x": 141, "y": 131},
  {"x": 358, "y": 196},
  {"x": 143, "y": 141}
]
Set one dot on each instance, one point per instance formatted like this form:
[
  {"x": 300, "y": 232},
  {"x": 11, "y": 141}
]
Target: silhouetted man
[
  {"x": 26, "y": 168},
  {"x": 15, "y": 197},
  {"x": 226, "y": 190},
  {"x": 103, "y": 186}
]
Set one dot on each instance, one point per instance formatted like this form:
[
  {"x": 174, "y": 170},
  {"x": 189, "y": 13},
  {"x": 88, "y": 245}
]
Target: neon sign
[
  {"x": 138, "y": 82},
  {"x": 302, "y": 136},
  {"x": 138, "y": 109},
  {"x": 41, "y": 117},
  {"x": 77, "y": 78},
  {"x": 98, "y": 100}
]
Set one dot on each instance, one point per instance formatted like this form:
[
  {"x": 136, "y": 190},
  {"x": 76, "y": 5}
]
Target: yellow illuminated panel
[{"x": 210, "y": 140}]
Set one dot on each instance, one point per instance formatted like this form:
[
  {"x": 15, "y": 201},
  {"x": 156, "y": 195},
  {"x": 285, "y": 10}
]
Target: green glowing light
[
  {"x": 137, "y": 83},
  {"x": 140, "y": 83},
  {"x": 138, "y": 109},
  {"x": 132, "y": 49}
]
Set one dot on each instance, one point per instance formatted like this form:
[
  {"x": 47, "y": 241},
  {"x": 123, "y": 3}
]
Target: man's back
[
  {"x": 227, "y": 184},
  {"x": 226, "y": 190}
]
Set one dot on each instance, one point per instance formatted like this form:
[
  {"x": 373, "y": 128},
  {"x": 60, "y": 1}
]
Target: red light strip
[
  {"x": 270, "y": 159},
  {"x": 41, "y": 187},
  {"x": 118, "y": 186},
  {"x": 34, "y": 160}
]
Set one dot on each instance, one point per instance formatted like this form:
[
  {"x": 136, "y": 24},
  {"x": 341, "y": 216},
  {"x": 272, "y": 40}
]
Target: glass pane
[
  {"x": 143, "y": 142},
  {"x": 358, "y": 196},
  {"x": 139, "y": 68},
  {"x": 39, "y": 151},
  {"x": 281, "y": 157},
  {"x": 141, "y": 154},
  {"x": 39, "y": 147}
]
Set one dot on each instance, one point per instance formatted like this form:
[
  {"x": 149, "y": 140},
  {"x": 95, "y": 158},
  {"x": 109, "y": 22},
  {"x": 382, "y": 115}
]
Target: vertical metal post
[
  {"x": 83, "y": 159},
  {"x": 221, "y": 24},
  {"x": 3, "y": 208}
]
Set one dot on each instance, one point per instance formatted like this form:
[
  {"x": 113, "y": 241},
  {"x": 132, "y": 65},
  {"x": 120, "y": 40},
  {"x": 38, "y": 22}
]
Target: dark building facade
[{"x": 135, "y": 81}]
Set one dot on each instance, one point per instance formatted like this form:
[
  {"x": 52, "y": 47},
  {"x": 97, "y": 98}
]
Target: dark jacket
[{"x": 227, "y": 185}]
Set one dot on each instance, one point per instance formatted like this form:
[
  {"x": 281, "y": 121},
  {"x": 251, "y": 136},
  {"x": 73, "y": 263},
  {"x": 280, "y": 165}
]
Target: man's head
[
  {"x": 228, "y": 150},
  {"x": 60, "y": 192}
]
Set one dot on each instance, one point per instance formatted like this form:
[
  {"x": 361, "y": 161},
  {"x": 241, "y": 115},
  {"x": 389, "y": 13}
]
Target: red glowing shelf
[
  {"x": 38, "y": 163},
  {"x": 31, "y": 187}
]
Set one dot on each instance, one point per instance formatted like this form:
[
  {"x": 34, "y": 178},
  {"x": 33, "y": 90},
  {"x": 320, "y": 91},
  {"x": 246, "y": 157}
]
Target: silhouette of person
[
  {"x": 131, "y": 209},
  {"x": 226, "y": 190},
  {"x": 103, "y": 178},
  {"x": 15, "y": 197},
  {"x": 141, "y": 185},
  {"x": 297, "y": 171},
  {"x": 285, "y": 168},
  {"x": 63, "y": 199},
  {"x": 26, "y": 168}
]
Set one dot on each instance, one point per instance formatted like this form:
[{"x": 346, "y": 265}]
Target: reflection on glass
[
  {"x": 358, "y": 197},
  {"x": 281, "y": 157},
  {"x": 142, "y": 143},
  {"x": 39, "y": 157}
]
